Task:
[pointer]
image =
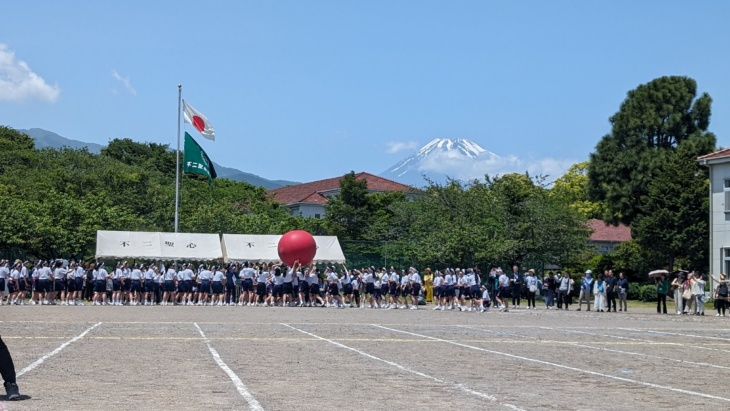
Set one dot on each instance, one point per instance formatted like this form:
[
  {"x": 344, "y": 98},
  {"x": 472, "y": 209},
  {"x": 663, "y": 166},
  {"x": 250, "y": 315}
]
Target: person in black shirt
[
  {"x": 515, "y": 279},
  {"x": 611, "y": 285},
  {"x": 7, "y": 369}
]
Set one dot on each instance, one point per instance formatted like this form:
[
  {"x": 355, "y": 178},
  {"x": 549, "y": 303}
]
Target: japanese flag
[{"x": 198, "y": 120}]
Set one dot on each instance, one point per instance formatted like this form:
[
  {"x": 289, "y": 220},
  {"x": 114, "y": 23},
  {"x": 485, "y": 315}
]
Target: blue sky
[{"x": 304, "y": 90}]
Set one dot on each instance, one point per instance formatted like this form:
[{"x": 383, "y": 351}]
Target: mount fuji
[{"x": 443, "y": 158}]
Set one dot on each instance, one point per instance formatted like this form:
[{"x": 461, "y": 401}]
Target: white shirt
[
  {"x": 79, "y": 272},
  {"x": 289, "y": 275},
  {"x": 150, "y": 274},
  {"x": 278, "y": 279},
  {"x": 246, "y": 273},
  {"x": 438, "y": 281},
  {"x": 503, "y": 280},
  {"x": 416, "y": 278},
  {"x": 136, "y": 274},
  {"x": 170, "y": 274},
  {"x": 4, "y": 272},
  {"x": 59, "y": 273},
  {"x": 218, "y": 276},
  {"x": 205, "y": 275},
  {"x": 44, "y": 273},
  {"x": 313, "y": 278},
  {"x": 368, "y": 278},
  {"x": 101, "y": 274},
  {"x": 449, "y": 279},
  {"x": 404, "y": 281}
]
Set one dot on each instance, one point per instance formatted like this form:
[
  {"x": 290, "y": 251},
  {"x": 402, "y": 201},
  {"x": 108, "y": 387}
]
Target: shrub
[{"x": 647, "y": 293}]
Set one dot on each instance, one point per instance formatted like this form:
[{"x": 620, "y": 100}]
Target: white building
[{"x": 719, "y": 164}]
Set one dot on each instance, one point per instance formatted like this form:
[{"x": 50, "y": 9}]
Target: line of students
[{"x": 266, "y": 285}]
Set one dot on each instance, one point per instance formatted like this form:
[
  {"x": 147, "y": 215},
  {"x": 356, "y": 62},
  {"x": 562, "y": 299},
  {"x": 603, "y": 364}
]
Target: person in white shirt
[
  {"x": 287, "y": 285},
  {"x": 100, "y": 277},
  {"x": 149, "y": 286},
  {"x": 333, "y": 289},
  {"x": 4, "y": 277},
  {"x": 303, "y": 287},
  {"x": 262, "y": 279},
  {"x": 393, "y": 285},
  {"x": 204, "y": 278},
  {"x": 117, "y": 277},
  {"x": 168, "y": 285},
  {"x": 503, "y": 294},
  {"x": 13, "y": 280},
  {"x": 369, "y": 280},
  {"x": 346, "y": 281},
  {"x": 216, "y": 286},
  {"x": 135, "y": 288},
  {"x": 75, "y": 284},
  {"x": 313, "y": 280},
  {"x": 486, "y": 301},
  {"x": 438, "y": 281},
  {"x": 247, "y": 292},
  {"x": 415, "y": 281}
]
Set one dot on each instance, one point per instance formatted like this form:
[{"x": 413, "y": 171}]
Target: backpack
[{"x": 722, "y": 290}]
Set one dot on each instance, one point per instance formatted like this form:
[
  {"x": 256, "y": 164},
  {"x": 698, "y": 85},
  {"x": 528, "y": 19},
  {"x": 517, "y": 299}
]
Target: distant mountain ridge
[{"x": 44, "y": 138}]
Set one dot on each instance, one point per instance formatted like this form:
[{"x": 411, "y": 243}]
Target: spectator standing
[
  {"x": 698, "y": 293},
  {"x": 662, "y": 289},
  {"x": 721, "y": 294},
  {"x": 586, "y": 285},
  {"x": 611, "y": 290},
  {"x": 533, "y": 287}
]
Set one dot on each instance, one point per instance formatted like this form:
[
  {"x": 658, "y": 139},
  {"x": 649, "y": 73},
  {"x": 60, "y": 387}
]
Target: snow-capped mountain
[{"x": 459, "y": 159}]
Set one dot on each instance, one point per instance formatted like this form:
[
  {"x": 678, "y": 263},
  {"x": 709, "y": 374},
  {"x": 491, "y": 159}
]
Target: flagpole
[{"x": 177, "y": 155}]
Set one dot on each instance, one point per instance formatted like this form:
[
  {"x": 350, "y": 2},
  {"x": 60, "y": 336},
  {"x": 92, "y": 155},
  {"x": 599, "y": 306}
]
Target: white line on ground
[
  {"x": 406, "y": 369},
  {"x": 566, "y": 367},
  {"x": 240, "y": 386},
  {"x": 592, "y": 347},
  {"x": 699, "y": 347},
  {"x": 673, "y": 333},
  {"x": 56, "y": 351}
]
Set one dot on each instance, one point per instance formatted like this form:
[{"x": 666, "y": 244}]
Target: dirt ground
[{"x": 239, "y": 358}]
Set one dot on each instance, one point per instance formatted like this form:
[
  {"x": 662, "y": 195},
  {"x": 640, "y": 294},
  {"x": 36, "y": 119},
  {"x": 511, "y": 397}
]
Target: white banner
[
  {"x": 264, "y": 248},
  {"x": 158, "y": 246}
]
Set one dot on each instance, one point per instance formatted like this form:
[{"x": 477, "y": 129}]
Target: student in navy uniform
[
  {"x": 135, "y": 288},
  {"x": 347, "y": 285},
  {"x": 7, "y": 370},
  {"x": 288, "y": 285},
  {"x": 231, "y": 273},
  {"x": 313, "y": 279}
]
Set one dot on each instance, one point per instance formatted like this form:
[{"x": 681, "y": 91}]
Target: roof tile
[
  {"x": 309, "y": 192},
  {"x": 609, "y": 233}
]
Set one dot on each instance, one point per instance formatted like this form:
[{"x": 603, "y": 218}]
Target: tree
[
  {"x": 652, "y": 122},
  {"x": 347, "y": 214},
  {"x": 674, "y": 219},
  {"x": 572, "y": 189}
]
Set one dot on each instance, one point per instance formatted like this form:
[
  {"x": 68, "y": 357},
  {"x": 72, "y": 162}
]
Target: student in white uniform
[
  {"x": 149, "y": 286},
  {"x": 288, "y": 286},
  {"x": 45, "y": 281},
  {"x": 405, "y": 289},
  {"x": 247, "y": 291},
  {"x": 415, "y": 281},
  {"x": 75, "y": 284},
  {"x": 369, "y": 280},
  {"x": 135, "y": 289},
  {"x": 275, "y": 297},
  {"x": 216, "y": 286},
  {"x": 168, "y": 285},
  {"x": 333, "y": 289},
  {"x": 438, "y": 281},
  {"x": 100, "y": 277},
  {"x": 347, "y": 289},
  {"x": 303, "y": 287},
  {"x": 393, "y": 286},
  {"x": 262, "y": 279},
  {"x": 4, "y": 277},
  {"x": 117, "y": 277},
  {"x": 13, "y": 280},
  {"x": 313, "y": 280},
  {"x": 204, "y": 278}
]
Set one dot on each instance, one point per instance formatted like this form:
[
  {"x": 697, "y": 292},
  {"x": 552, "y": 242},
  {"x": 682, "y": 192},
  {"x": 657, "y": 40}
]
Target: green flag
[{"x": 196, "y": 161}]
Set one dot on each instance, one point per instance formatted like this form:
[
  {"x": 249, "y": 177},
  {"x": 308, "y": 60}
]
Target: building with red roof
[
  {"x": 309, "y": 199},
  {"x": 606, "y": 237}
]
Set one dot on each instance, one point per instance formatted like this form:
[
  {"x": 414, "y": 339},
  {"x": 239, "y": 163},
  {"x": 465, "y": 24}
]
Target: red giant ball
[{"x": 297, "y": 245}]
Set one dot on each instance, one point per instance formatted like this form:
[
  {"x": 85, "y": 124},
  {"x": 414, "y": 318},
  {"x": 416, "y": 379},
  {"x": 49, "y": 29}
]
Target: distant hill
[{"x": 44, "y": 138}]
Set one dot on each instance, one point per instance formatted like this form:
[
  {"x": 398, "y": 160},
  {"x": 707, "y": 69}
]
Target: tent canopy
[
  {"x": 158, "y": 246},
  {"x": 263, "y": 248}
]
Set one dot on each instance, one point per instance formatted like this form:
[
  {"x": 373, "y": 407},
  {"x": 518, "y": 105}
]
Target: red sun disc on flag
[{"x": 199, "y": 123}]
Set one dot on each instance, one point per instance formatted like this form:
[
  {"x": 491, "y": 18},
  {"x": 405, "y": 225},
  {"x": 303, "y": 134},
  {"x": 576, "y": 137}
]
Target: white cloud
[
  {"x": 18, "y": 82},
  {"x": 125, "y": 81},
  {"x": 396, "y": 146}
]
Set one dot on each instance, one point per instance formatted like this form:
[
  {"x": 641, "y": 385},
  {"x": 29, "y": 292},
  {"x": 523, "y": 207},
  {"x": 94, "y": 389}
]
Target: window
[
  {"x": 727, "y": 195},
  {"x": 726, "y": 260},
  {"x": 317, "y": 216}
]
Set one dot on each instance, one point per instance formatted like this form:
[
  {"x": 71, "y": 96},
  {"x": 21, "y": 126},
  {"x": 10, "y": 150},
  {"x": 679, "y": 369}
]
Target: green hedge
[{"x": 647, "y": 293}]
